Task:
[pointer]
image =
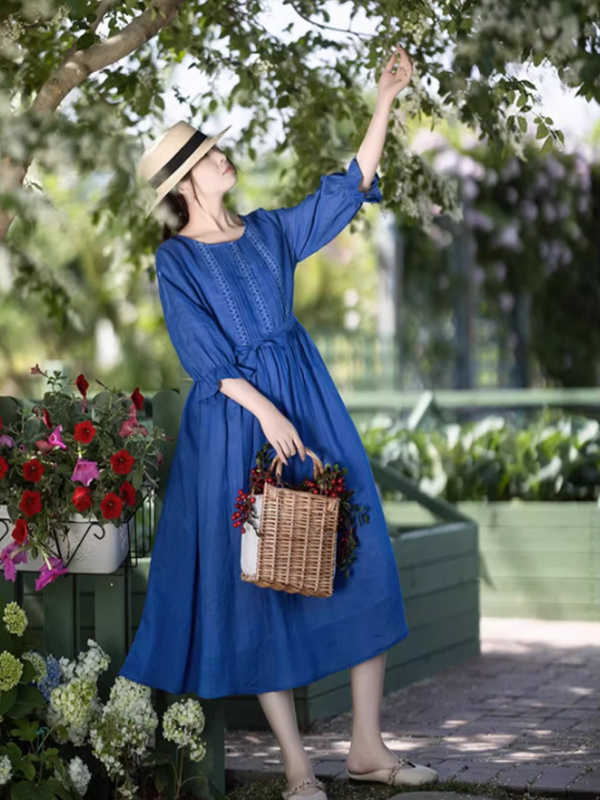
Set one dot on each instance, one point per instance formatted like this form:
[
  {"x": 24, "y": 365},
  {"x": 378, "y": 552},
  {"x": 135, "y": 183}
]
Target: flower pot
[{"x": 88, "y": 547}]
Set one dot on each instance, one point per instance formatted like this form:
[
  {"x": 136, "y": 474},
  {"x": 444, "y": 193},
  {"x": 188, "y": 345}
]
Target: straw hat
[{"x": 170, "y": 156}]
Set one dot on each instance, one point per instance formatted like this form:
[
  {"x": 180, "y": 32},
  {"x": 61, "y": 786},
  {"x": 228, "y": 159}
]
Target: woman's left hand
[{"x": 391, "y": 83}]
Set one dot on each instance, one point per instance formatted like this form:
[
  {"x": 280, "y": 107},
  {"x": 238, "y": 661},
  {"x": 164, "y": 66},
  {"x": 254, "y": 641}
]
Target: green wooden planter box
[
  {"x": 439, "y": 571},
  {"x": 539, "y": 560}
]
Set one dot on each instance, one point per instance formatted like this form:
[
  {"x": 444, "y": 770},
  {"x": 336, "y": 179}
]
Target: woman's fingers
[
  {"x": 390, "y": 63},
  {"x": 280, "y": 452},
  {"x": 301, "y": 448}
]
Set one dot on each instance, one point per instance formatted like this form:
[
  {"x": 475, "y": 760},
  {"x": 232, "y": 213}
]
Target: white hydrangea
[
  {"x": 183, "y": 722},
  {"x": 88, "y": 665},
  {"x": 79, "y": 774},
  {"x": 74, "y": 705},
  {"x": 125, "y": 726},
  {"x": 5, "y": 770}
]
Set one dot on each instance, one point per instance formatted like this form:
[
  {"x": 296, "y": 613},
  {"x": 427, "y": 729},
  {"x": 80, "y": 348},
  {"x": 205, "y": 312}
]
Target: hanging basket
[
  {"x": 89, "y": 546},
  {"x": 289, "y": 543}
]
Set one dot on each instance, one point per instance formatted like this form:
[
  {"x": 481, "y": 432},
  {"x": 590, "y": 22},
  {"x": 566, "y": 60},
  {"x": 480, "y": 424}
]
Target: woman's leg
[
  {"x": 367, "y": 749},
  {"x": 281, "y": 715}
]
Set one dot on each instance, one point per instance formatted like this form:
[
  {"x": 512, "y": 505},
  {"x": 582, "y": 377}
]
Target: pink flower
[
  {"x": 7, "y": 440},
  {"x": 131, "y": 425},
  {"x": 55, "y": 438},
  {"x": 47, "y": 575},
  {"x": 85, "y": 471},
  {"x": 9, "y": 560}
]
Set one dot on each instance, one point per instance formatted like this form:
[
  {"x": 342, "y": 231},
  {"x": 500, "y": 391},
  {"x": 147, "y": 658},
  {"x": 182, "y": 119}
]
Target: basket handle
[{"x": 277, "y": 464}]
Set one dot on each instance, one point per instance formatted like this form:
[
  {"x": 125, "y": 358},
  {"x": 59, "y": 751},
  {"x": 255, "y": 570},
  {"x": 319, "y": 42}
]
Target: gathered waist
[{"x": 277, "y": 337}]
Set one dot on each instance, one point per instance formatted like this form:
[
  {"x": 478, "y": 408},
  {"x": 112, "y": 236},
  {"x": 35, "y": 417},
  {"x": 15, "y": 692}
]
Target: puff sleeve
[
  {"x": 203, "y": 349},
  {"x": 323, "y": 214}
]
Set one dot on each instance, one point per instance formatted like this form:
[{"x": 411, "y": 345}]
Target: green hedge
[{"x": 550, "y": 457}]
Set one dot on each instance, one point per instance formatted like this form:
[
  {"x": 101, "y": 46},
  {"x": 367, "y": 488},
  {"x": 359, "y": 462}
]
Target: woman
[{"x": 226, "y": 286}]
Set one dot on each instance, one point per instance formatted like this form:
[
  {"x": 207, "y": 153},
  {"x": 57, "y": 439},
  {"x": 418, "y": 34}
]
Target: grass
[{"x": 346, "y": 790}]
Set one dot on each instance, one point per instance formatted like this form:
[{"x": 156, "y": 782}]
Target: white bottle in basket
[{"x": 249, "y": 551}]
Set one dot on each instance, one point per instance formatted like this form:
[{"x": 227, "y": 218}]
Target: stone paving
[{"x": 524, "y": 715}]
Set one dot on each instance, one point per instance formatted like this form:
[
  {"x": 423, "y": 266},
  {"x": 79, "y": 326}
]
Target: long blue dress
[{"x": 228, "y": 308}]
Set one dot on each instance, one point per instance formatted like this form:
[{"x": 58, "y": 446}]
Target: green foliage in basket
[
  {"x": 552, "y": 457},
  {"x": 65, "y": 457}
]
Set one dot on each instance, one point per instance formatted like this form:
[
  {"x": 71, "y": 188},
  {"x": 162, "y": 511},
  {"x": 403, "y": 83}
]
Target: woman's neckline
[{"x": 216, "y": 244}]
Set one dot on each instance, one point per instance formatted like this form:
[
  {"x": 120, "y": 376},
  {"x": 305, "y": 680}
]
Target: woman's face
[{"x": 213, "y": 174}]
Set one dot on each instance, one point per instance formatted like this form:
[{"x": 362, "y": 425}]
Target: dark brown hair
[{"x": 176, "y": 205}]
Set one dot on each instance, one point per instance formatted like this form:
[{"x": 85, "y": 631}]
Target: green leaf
[
  {"x": 547, "y": 147},
  {"x": 25, "y": 790},
  {"x": 523, "y": 124},
  {"x": 27, "y": 768},
  {"x": 7, "y": 700},
  {"x": 28, "y": 698}
]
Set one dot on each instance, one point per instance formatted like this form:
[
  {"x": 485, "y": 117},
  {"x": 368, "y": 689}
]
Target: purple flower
[
  {"x": 85, "y": 471},
  {"x": 506, "y": 301},
  {"x": 55, "y": 438},
  {"x": 7, "y": 440},
  {"x": 9, "y": 560},
  {"x": 47, "y": 575}
]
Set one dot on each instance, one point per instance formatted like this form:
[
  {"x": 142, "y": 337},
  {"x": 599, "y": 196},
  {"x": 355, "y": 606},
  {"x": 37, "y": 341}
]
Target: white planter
[{"x": 88, "y": 547}]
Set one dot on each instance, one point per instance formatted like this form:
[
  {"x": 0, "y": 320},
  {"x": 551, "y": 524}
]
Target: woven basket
[{"x": 294, "y": 548}]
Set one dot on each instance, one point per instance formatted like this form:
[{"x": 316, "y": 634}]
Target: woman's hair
[{"x": 176, "y": 205}]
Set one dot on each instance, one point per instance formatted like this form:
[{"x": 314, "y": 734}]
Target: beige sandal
[
  {"x": 318, "y": 795},
  {"x": 403, "y": 772}
]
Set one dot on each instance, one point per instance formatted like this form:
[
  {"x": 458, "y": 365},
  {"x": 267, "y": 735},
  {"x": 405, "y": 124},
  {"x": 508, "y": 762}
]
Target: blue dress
[{"x": 228, "y": 308}]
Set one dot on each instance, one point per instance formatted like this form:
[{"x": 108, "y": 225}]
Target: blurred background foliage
[{"x": 84, "y": 87}]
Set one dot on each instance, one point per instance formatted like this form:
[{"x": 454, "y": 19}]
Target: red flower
[
  {"x": 3, "y": 467},
  {"x": 33, "y": 470},
  {"x": 82, "y": 498},
  {"x": 128, "y": 493},
  {"x": 31, "y": 502},
  {"x": 122, "y": 462},
  {"x": 82, "y": 384},
  {"x": 20, "y": 531},
  {"x": 138, "y": 398},
  {"x": 111, "y": 506},
  {"x": 84, "y": 432},
  {"x": 47, "y": 420}
]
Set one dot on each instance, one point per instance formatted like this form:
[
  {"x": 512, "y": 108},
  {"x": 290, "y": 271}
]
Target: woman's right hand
[{"x": 282, "y": 435}]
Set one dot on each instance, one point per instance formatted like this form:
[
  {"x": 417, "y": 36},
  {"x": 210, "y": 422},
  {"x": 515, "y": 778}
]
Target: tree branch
[
  {"x": 81, "y": 64},
  {"x": 77, "y": 67}
]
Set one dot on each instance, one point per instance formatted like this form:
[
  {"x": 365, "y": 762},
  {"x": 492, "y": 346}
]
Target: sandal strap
[
  {"x": 302, "y": 784},
  {"x": 401, "y": 763}
]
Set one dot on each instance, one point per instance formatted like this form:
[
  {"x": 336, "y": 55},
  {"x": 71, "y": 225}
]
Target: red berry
[{"x": 243, "y": 530}]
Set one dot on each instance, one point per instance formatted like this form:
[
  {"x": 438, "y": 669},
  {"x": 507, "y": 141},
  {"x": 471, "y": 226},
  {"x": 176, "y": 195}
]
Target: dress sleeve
[
  {"x": 203, "y": 349},
  {"x": 319, "y": 218}
]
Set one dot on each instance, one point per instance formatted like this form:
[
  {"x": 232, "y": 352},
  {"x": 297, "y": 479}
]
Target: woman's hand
[
  {"x": 391, "y": 83},
  {"x": 281, "y": 434}
]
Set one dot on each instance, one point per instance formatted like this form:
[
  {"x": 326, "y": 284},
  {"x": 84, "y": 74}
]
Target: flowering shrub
[
  {"x": 62, "y": 458},
  {"x": 552, "y": 458},
  {"x": 49, "y": 707},
  {"x": 524, "y": 260}
]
